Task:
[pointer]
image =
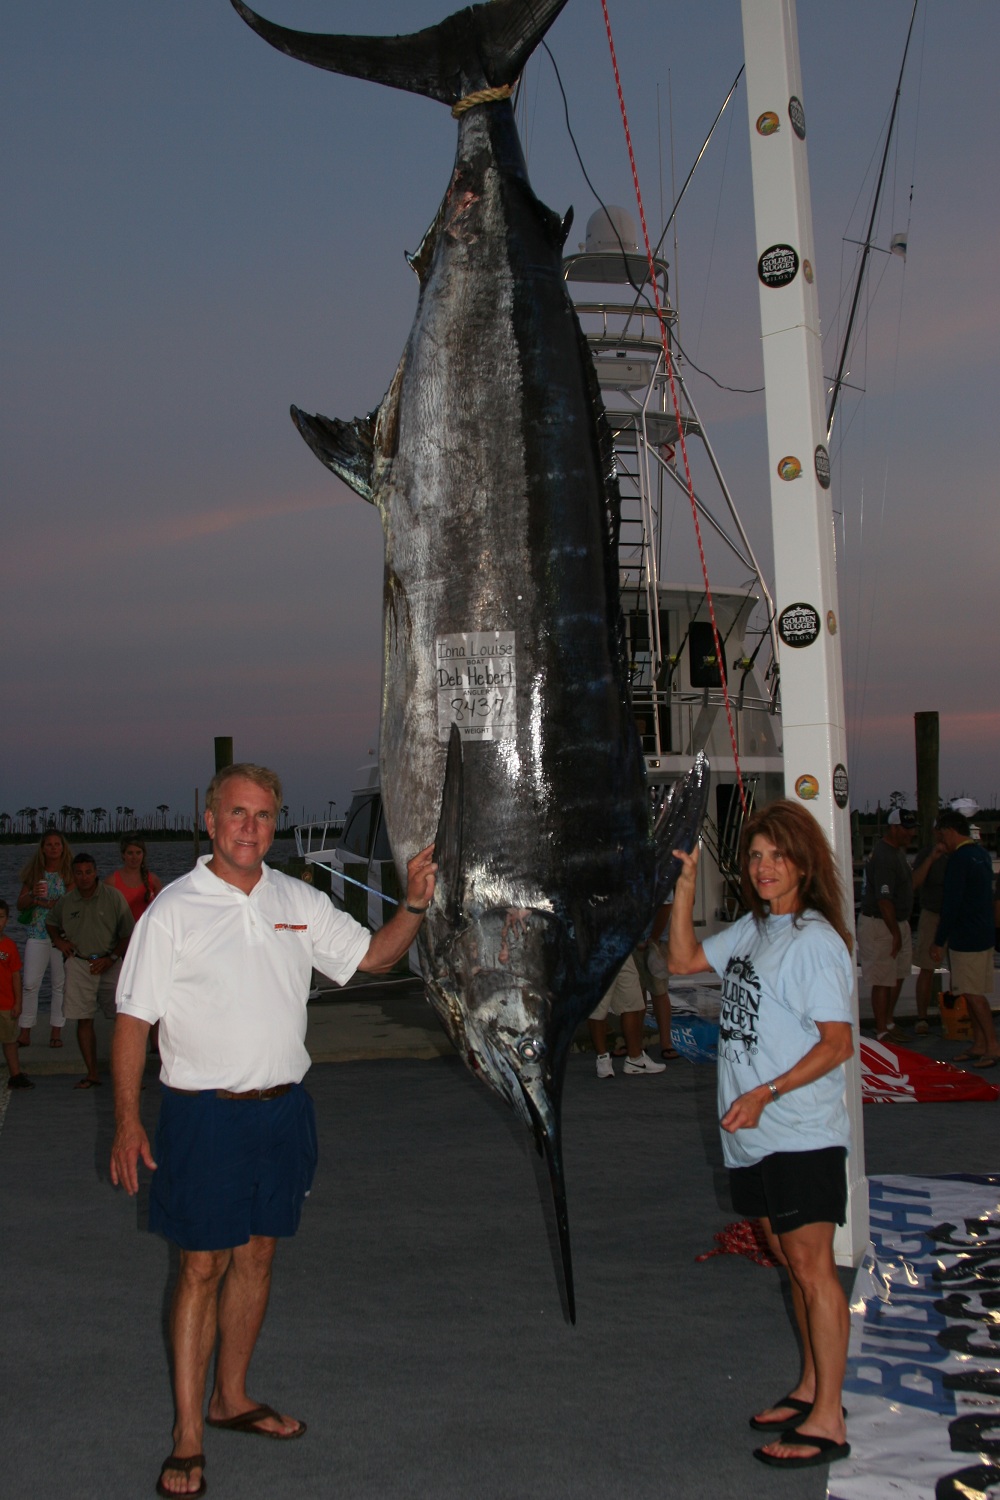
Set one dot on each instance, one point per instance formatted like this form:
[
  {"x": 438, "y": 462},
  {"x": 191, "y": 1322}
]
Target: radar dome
[{"x": 610, "y": 229}]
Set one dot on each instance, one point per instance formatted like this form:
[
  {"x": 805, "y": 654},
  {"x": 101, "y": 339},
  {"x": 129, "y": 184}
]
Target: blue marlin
[{"x": 507, "y": 731}]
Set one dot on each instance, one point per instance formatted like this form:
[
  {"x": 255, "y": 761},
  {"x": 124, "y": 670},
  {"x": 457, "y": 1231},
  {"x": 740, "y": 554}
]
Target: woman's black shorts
[{"x": 792, "y": 1188}]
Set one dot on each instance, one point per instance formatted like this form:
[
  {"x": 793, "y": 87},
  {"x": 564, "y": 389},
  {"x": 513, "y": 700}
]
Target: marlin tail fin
[{"x": 481, "y": 46}]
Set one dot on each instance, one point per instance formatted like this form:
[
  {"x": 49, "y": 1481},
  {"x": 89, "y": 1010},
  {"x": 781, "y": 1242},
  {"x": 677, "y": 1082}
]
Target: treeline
[
  {"x": 101, "y": 823},
  {"x": 31, "y": 821}
]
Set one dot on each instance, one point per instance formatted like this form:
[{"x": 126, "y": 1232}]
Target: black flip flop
[
  {"x": 829, "y": 1452},
  {"x": 249, "y": 1421},
  {"x": 802, "y": 1407},
  {"x": 182, "y": 1466}
]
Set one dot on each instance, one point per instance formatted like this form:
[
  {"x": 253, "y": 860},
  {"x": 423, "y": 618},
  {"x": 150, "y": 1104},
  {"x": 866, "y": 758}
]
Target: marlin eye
[{"x": 530, "y": 1051}]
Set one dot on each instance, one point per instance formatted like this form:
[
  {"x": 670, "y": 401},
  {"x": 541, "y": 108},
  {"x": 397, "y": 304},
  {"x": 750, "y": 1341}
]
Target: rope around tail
[{"x": 481, "y": 96}]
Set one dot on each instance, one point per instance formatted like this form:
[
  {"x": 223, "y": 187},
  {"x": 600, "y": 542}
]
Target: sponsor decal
[
  {"x": 807, "y": 787},
  {"x": 778, "y": 265},
  {"x": 807, "y": 271},
  {"x": 476, "y": 676},
  {"x": 831, "y": 622},
  {"x": 768, "y": 123},
  {"x": 291, "y": 927},
  {"x": 821, "y": 459},
  {"x": 797, "y": 115},
  {"x": 789, "y": 467},
  {"x": 798, "y": 625},
  {"x": 841, "y": 786}
]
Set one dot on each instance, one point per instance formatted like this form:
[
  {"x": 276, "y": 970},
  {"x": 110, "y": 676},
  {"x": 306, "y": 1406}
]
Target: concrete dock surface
[{"x": 415, "y": 1321}]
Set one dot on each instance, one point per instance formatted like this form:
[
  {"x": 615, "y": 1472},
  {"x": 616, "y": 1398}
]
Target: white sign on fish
[{"x": 476, "y": 679}]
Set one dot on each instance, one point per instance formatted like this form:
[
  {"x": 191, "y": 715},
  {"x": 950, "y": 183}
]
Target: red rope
[{"x": 669, "y": 366}]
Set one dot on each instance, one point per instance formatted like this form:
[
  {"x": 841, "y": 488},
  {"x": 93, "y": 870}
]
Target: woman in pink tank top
[{"x": 135, "y": 882}]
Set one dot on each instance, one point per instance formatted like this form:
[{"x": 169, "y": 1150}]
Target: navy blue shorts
[
  {"x": 231, "y": 1168},
  {"x": 793, "y": 1188}
]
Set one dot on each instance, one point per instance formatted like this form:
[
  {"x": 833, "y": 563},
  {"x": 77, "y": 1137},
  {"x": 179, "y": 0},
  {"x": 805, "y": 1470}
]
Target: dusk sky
[{"x": 199, "y": 231}]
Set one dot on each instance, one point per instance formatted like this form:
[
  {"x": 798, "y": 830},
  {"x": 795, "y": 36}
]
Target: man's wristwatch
[{"x": 417, "y": 911}]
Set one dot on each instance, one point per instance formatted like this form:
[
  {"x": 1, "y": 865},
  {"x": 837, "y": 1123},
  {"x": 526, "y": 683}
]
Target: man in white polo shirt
[{"x": 223, "y": 960}]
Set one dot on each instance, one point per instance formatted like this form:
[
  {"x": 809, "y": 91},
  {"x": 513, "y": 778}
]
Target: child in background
[{"x": 10, "y": 1004}]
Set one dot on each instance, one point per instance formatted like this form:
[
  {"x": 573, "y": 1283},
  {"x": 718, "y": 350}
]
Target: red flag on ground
[{"x": 895, "y": 1075}]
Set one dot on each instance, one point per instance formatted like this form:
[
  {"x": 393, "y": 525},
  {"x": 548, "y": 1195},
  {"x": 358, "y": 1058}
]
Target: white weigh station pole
[{"x": 812, "y": 687}]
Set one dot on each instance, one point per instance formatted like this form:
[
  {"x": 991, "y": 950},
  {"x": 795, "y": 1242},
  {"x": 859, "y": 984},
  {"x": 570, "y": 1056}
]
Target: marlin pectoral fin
[
  {"x": 491, "y": 42},
  {"x": 448, "y": 843},
  {"x": 346, "y": 448},
  {"x": 679, "y": 824}
]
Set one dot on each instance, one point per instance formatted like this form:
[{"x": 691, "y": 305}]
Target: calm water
[{"x": 166, "y": 859}]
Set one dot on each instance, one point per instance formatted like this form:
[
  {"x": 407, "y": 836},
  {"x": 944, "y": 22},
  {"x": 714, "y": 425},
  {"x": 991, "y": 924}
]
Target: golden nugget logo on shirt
[
  {"x": 741, "y": 990},
  {"x": 291, "y": 926}
]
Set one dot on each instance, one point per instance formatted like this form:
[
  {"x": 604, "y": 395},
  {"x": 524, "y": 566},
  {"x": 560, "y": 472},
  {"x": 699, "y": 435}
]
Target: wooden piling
[{"x": 926, "y": 733}]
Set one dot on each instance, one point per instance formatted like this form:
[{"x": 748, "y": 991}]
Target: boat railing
[
  {"x": 314, "y": 841},
  {"x": 674, "y": 723},
  {"x": 639, "y": 332}
]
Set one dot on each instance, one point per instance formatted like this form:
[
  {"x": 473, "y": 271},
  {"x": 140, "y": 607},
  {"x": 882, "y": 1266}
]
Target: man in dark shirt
[
  {"x": 885, "y": 942},
  {"x": 966, "y": 928}
]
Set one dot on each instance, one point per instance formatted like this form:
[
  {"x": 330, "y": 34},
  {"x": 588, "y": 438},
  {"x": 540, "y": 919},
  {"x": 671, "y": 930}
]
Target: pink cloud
[{"x": 76, "y": 543}]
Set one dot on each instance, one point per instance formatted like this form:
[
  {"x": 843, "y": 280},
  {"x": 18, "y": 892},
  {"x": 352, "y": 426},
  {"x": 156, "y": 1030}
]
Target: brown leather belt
[{"x": 271, "y": 1093}]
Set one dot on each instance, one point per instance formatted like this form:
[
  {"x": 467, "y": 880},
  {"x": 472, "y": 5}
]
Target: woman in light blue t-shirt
[{"x": 785, "y": 1033}]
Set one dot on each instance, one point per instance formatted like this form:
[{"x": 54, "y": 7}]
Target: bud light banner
[{"x": 923, "y": 1372}]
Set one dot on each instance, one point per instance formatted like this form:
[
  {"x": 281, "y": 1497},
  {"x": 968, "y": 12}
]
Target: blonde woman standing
[{"x": 47, "y": 876}]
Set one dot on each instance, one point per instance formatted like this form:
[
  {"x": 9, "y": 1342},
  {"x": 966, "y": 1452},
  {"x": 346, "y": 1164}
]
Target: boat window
[
  {"x": 702, "y": 665},
  {"x": 357, "y": 835}
]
